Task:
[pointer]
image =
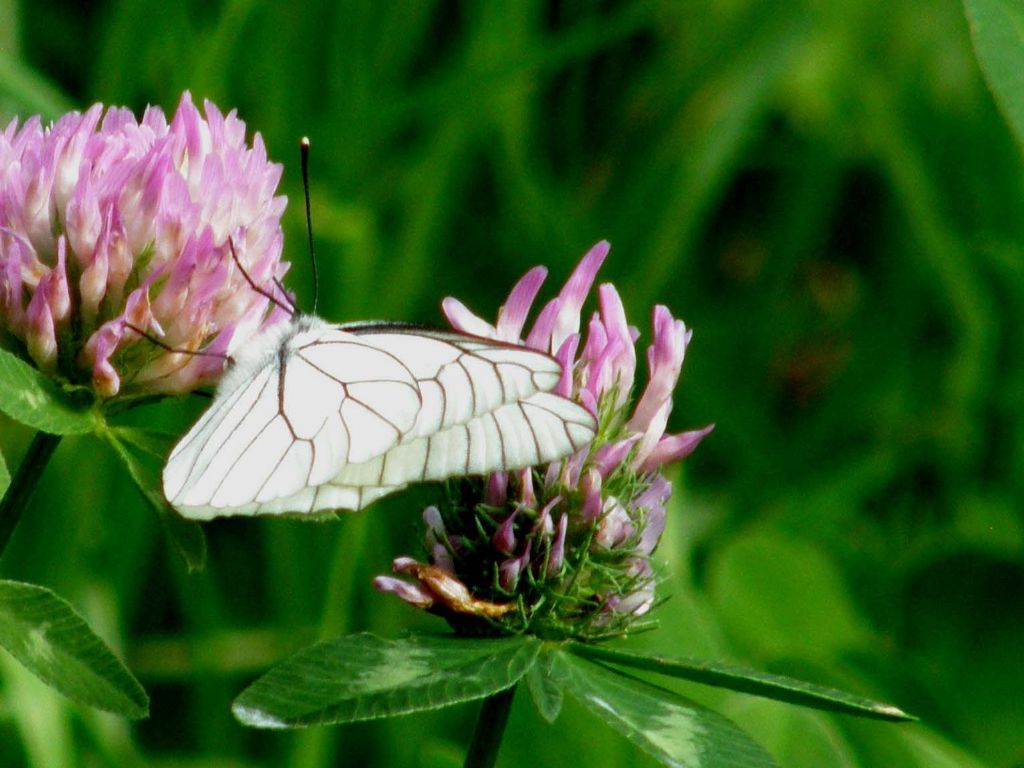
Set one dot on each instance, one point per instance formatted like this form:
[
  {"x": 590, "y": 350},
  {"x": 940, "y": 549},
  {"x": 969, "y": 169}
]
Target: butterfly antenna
[
  {"x": 252, "y": 283},
  {"x": 168, "y": 348},
  {"x": 304, "y": 153}
]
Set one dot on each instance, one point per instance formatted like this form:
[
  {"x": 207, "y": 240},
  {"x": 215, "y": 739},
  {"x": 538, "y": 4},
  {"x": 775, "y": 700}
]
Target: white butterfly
[{"x": 314, "y": 416}]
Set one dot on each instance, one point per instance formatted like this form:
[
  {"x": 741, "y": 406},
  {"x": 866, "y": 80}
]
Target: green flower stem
[
  {"x": 23, "y": 483},
  {"x": 490, "y": 727}
]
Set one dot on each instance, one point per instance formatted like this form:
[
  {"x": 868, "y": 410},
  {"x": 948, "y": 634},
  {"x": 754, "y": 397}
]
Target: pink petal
[
  {"x": 565, "y": 356},
  {"x": 665, "y": 357},
  {"x": 597, "y": 339},
  {"x": 588, "y": 401},
  {"x": 609, "y": 456},
  {"x": 442, "y": 558},
  {"x": 497, "y": 489},
  {"x": 93, "y": 283},
  {"x": 640, "y": 600},
  {"x": 575, "y": 293},
  {"x": 557, "y": 556},
  {"x": 404, "y": 564},
  {"x": 504, "y": 538},
  {"x": 590, "y": 487},
  {"x": 69, "y": 159},
  {"x": 413, "y": 594},
  {"x": 462, "y": 319},
  {"x": 652, "y": 434},
  {"x": 101, "y": 347},
  {"x": 512, "y": 316},
  {"x": 510, "y": 570},
  {"x": 84, "y": 222},
  {"x": 544, "y": 526},
  {"x": 526, "y": 495},
  {"x": 58, "y": 294},
  {"x": 42, "y": 337},
  {"x": 539, "y": 336},
  {"x": 613, "y": 314},
  {"x": 674, "y": 448},
  {"x": 604, "y": 372},
  {"x": 435, "y": 524},
  {"x": 615, "y": 525},
  {"x": 652, "y": 504}
]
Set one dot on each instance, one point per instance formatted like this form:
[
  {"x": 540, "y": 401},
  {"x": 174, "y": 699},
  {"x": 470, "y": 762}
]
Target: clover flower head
[
  {"x": 563, "y": 550},
  {"x": 111, "y": 225}
]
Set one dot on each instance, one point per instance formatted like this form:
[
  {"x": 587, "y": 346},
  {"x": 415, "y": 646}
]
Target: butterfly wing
[
  {"x": 292, "y": 412},
  {"x": 536, "y": 430},
  {"x": 336, "y": 417}
]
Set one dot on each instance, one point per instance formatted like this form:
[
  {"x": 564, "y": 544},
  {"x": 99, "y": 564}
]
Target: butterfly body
[{"x": 314, "y": 416}]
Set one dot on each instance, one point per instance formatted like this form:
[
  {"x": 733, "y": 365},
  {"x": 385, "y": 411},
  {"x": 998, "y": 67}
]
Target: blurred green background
[{"x": 823, "y": 189}]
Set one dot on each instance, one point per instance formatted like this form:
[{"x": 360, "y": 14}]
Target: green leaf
[
  {"x": 361, "y": 677},
  {"x": 187, "y": 537},
  {"x": 43, "y": 632},
  {"x": 676, "y": 731},
  {"x": 746, "y": 680},
  {"x": 997, "y": 29},
  {"x": 546, "y": 681},
  {"x": 29, "y": 397}
]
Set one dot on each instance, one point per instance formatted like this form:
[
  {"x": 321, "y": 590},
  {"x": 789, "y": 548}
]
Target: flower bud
[
  {"x": 504, "y": 538},
  {"x": 557, "y": 557},
  {"x": 615, "y": 525},
  {"x": 497, "y": 489},
  {"x": 510, "y": 570}
]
